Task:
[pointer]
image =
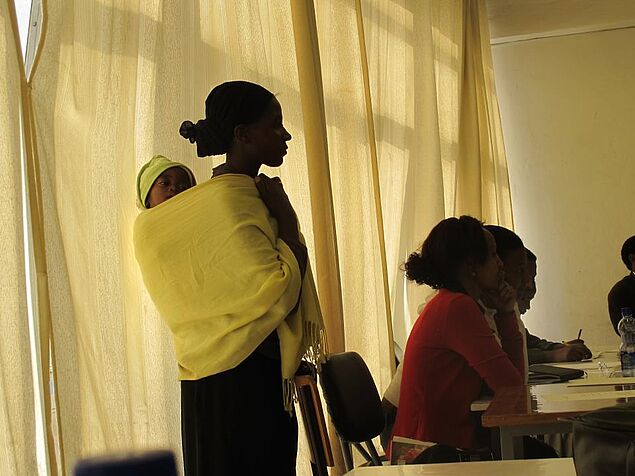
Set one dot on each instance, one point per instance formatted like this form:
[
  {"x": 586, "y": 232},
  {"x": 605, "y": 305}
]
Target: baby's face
[{"x": 170, "y": 183}]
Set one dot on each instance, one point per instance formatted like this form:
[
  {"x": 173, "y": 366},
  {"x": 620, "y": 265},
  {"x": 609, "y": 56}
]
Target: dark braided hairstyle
[
  {"x": 227, "y": 106},
  {"x": 450, "y": 243}
]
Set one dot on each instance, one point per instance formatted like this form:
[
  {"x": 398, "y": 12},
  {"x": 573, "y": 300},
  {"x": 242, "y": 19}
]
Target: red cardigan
[{"x": 450, "y": 352}]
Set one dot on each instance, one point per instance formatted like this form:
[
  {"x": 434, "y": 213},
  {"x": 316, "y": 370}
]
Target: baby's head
[{"x": 161, "y": 179}]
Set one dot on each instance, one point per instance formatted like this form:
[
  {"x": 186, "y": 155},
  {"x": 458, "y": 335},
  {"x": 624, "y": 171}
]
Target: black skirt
[{"x": 234, "y": 423}]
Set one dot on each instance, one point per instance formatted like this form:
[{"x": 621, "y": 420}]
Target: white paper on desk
[
  {"x": 591, "y": 381},
  {"x": 572, "y": 397},
  {"x": 605, "y": 352},
  {"x": 593, "y": 365}
]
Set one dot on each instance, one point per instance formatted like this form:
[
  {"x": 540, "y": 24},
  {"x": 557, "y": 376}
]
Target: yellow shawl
[{"x": 222, "y": 280}]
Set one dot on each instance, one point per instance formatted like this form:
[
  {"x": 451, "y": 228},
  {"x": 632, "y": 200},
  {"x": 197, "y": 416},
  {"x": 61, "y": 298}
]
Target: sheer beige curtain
[
  {"x": 114, "y": 81},
  {"x": 437, "y": 128},
  {"x": 17, "y": 412},
  {"x": 373, "y": 92}
]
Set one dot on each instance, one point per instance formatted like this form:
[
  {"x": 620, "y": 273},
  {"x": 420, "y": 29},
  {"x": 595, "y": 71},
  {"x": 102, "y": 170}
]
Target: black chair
[
  {"x": 314, "y": 422},
  {"x": 354, "y": 404},
  {"x": 150, "y": 463}
]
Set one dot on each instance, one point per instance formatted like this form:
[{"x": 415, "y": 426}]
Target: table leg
[{"x": 511, "y": 445}]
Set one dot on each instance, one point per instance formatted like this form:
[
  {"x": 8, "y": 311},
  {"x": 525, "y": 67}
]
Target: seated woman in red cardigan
[{"x": 452, "y": 351}]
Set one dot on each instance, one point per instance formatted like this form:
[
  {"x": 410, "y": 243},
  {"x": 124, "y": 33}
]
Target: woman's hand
[
  {"x": 503, "y": 299},
  {"x": 273, "y": 194},
  {"x": 276, "y": 199}
]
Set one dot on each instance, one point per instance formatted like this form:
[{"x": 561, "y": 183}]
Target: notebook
[{"x": 541, "y": 373}]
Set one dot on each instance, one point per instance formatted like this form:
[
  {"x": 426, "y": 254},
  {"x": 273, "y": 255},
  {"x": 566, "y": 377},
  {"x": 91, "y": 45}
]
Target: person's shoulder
[
  {"x": 459, "y": 299},
  {"x": 626, "y": 284},
  {"x": 232, "y": 192},
  {"x": 457, "y": 303}
]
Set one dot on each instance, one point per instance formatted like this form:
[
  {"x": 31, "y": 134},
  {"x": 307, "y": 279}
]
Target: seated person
[
  {"x": 390, "y": 401},
  {"x": 452, "y": 351},
  {"x": 161, "y": 179},
  {"x": 511, "y": 251},
  {"x": 541, "y": 350},
  {"x": 623, "y": 293}
]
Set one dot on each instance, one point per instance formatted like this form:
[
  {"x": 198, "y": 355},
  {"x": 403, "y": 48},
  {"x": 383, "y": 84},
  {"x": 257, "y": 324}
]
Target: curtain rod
[{"x": 559, "y": 33}]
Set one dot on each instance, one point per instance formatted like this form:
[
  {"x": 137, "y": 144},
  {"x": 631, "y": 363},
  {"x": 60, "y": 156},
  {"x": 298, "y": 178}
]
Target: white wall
[{"x": 568, "y": 113}]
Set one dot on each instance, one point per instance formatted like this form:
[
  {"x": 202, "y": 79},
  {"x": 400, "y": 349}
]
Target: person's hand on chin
[{"x": 503, "y": 299}]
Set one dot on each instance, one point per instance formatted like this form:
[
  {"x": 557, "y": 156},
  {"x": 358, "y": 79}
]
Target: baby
[{"x": 161, "y": 179}]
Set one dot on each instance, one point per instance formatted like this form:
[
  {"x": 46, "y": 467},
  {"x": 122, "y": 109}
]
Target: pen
[{"x": 579, "y": 334}]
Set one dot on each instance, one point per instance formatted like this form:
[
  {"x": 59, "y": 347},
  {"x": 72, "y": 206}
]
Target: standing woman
[
  {"x": 227, "y": 268},
  {"x": 452, "y": 351}
]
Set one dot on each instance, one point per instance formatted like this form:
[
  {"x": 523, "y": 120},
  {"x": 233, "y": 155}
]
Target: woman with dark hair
[
  {"x": 452, "y": 351},
  {"x": 230, "y": 277}
]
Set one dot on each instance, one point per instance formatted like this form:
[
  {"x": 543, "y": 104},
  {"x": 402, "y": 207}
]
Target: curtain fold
[
  {"x": 483, "y": 181},
  {"x": 327, "y": 270},
  {"x": 438, "y": 131},
  {"x": 17, "y": 408},
  {"x": 365, "y": 311},
  {"x": 395, "y": 126}
]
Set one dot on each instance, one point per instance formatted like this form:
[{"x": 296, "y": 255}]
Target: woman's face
[
  {"x": 529, "y": 290},
  {"x": 170, "y": 183},
  {"x": 489, "y": 274},
  {"x": 268, "y": 137}
]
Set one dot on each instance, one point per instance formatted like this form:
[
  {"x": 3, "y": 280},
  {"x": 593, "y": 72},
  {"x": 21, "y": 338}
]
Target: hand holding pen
[
  {"x": 576, "y": 349},
  {"x": 576, "y": 341}
]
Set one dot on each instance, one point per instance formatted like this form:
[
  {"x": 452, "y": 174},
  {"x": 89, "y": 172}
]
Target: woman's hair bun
[
  {"x": 413, "y": 267},
  {"x": 188, "y": 131},
  {"x": 448, "y": 246}
]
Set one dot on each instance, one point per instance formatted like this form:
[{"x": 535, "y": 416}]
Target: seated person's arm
[
  {"x": 511, "y": 338},
  {"x": 469, "y": 335},
  {"x": 537, "y": 356},
  {"x": 540, "y": 350},
  {"x": 564, "y": 353},
  {"x": 535, "y": 342},
  {"x": 614, "y": 309}
]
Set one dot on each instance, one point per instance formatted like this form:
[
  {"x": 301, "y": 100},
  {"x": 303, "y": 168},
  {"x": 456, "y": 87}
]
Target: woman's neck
[
  {"x": 471, "y": 288},
  {"x": 239, "y": 164}
]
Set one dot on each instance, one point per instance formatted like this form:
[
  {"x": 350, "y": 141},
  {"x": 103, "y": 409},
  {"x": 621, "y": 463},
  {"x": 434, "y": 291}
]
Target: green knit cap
[{"x": 151, "y": 171}]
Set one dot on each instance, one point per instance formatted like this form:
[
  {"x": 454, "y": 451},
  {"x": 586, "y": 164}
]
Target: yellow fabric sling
[{"x": 222, "y": 280}]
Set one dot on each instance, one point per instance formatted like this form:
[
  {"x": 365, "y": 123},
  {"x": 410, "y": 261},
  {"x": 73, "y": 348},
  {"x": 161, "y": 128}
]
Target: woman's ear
[
  {"x": 470, "y": 266},
  {"x": 241, "y": 133}
]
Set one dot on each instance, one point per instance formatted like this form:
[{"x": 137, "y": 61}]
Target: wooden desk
[
  {"x": 539, "y": 409},
  {"x": 534, "y": 467}
]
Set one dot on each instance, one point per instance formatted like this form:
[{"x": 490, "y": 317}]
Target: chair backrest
[
  {"x": 314, "y": 423},
  {"x": 351, "y": 397},
  {"x": 150, "y": 463}
]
